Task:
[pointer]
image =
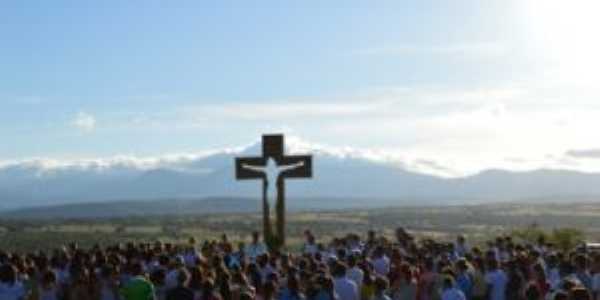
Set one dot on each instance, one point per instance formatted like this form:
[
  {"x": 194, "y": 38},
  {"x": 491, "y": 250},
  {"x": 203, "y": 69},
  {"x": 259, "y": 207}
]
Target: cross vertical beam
[{"x": 274, "y": 159}]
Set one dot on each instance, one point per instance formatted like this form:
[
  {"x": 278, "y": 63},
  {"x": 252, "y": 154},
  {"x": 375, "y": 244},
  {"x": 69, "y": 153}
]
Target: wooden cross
[{"x": 273, "y": 167}]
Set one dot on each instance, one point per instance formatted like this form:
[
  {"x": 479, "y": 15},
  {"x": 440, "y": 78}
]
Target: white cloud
[
  {"x": 84, "y": 121},
  {"x": 462, "y": 130},
  {"x": 185, "y": 162},
  {"x": 584, "y": 153}
]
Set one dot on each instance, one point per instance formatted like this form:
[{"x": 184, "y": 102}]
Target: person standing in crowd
[
  {"x": 426, "y": 286},
  {"x": 325, "y": 289},
  {"x": 416, "y": 269},
  {"x": 381, "y": 287},
  {"x": 345, "y": 288},
  {"x": 368, "y": 289},
  {"x": 355, "y": 273},
  {"x": 450, "y": 291},
  {"x": 310, "y": 246},
  {"x": 48, "y": 287},
  {"x": 256, "y": 248},
  {"x": 182, "y": 291},
  {"x": 479, "y": 290},
  {"x": 496, "y": 280},
  {"x": 138, "y": 287},
  {"x": 404, "y": 286},
  {"x": 461, "y": 248},
  {"x": 10, "y": 287},
  {"x": 81, "y": 286},
  {"x": 464, "y": 278},
  {"x": 381, "y": 263},
  {"x": 109, "y": 284}
]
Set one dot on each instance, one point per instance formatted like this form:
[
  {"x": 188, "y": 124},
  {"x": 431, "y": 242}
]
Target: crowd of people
[{"x": 346, "y": 268}]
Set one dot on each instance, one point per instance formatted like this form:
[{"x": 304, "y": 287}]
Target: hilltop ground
[{"x": 477, "y": 222}]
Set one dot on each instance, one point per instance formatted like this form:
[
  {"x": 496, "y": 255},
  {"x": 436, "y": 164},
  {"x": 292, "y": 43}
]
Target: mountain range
[{"x": 343, "y": 180}]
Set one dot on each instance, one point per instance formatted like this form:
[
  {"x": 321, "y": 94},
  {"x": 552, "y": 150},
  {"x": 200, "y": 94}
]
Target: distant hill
[
  {"x": 212, "y": 205},
  {"x": 351, "y": 179}
]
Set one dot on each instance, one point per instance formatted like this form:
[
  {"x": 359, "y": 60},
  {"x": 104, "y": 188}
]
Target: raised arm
[
  {"x": 291, "y": 167},
  {"x": 254, "y": 168}
]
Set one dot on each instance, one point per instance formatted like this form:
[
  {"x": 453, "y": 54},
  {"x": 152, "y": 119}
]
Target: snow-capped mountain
[{"x": 349, "y": 176}]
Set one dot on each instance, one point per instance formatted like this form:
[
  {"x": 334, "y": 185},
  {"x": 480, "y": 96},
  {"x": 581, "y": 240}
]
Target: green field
[{"x": 478, "y": 223}]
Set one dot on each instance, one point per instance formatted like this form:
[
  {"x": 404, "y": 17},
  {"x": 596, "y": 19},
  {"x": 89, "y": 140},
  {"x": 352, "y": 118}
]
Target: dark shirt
[{"x": 180, "y": 293}]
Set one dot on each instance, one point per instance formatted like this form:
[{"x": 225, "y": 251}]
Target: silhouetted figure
[{"x": 272, "y": 172}]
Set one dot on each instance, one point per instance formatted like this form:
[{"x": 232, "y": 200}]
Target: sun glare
[{"x": 567, "y": 34}]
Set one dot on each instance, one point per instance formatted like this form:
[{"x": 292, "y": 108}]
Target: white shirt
[
  {"x": 254, "y": 250},
  {"x": 497, "y": 279},
  {"x": 310, "y": 248},
  {"x": 346, "y": 289},
  {"x": 356, "y": 274},
  {"x": 453, "y": 294},
  {"x": 461, "y": 249},
  {"x": 381, "y": 265}
]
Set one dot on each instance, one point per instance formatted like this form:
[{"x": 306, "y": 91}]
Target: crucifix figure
[{"x": 273, "y": 168}]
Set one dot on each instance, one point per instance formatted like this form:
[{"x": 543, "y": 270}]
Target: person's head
[
  {"x": 565, "y": 268},
  {"x": 539, "y": 272},
  {"x": 352, "y": 259},
  {"x": 580, "y": 262},
  {"x": 379, "y": 251},
  {"x": 462, "y": 266},
  {"x": 109, "y": 271},
  {"x": 448, "y": 282},
  {"x": 246, "y": 296},
  {"x": 580, "y": 293},
  {"x": 406, "y": 272},
  {"x": 532, "y": 292},
  {"x": 262, "y": 260},
  {"x": 293, "y": 283},
  {"x": 400, "y": 234},
  {"x": 183, "y": 277},
  {"x": 371, "y": 235},
  {"x": 80, "y": 274},
  {"x": 208, "y": 286},
  {"x": 269, "y": 289},
  {"x": 339, "y": 270},
  {"x": 136, "y": 269},
  {"x": 239, "y": 278},
  {"x": 324, "y": 283},
  {"x": 492, "y": 264},
  {"x": 560, "y": 295},
  {"x": 255, "y": 237},
  {"x": 48, "y": 279},
  {"x": 381, "y": 285},
  {"x": 158, "y": 277},
  {"x": 8, "y": 274},
  {"x": 308, "y": 235},
  {"x": 541, "y": 240},
  {"x": 428, "y": 264},
  {"x": 552, "y": 260}
]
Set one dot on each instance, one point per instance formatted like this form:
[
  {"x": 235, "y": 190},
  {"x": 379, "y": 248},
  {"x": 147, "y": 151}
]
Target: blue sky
[{"x": 451, "y": 81}]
